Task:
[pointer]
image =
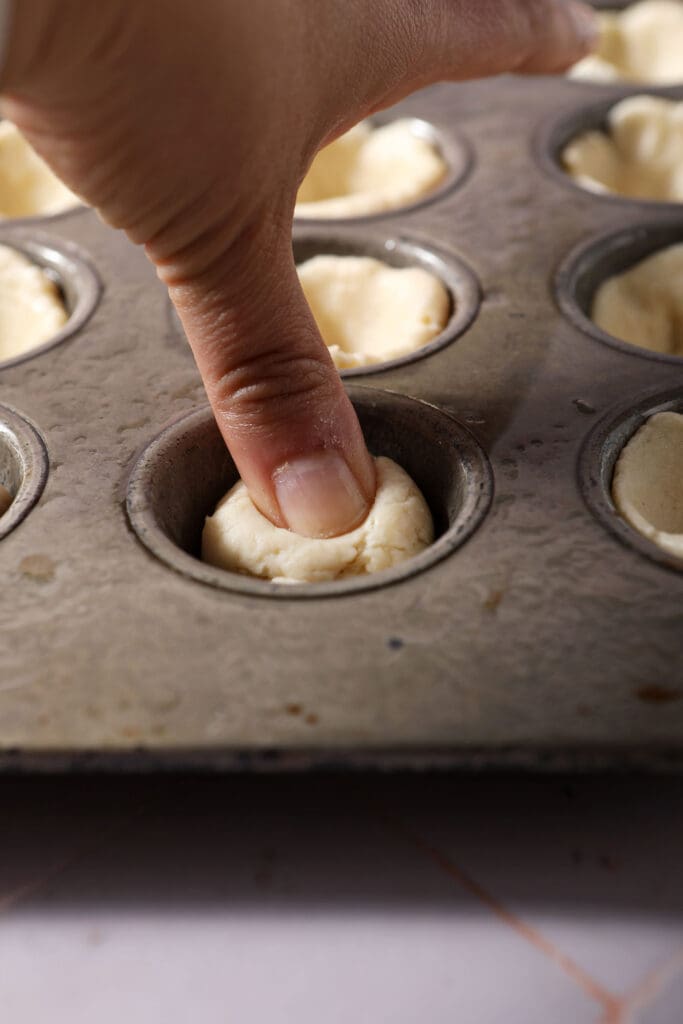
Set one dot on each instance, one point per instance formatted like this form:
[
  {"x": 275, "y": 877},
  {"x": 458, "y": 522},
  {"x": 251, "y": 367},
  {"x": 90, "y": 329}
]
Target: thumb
[{"x": 277, "y": 397}]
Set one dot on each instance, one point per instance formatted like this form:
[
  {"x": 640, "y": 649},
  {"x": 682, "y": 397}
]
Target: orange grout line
[
  {"x": 22, "y": 892},
  {"x": 651, "y": 985},
  {"x": 610, "y": 1003}
]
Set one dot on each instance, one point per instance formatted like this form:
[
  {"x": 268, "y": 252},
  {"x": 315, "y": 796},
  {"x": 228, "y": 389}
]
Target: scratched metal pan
[{"x": 538, "y": 632}]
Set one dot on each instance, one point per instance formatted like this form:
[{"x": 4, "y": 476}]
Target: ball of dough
[
  {"x": 368, "y": 170},
  {"x": 368, "y": 312},
  {"x": 648, "y": 481},
  {"x": 31, "y": 308},
  {"x": 5, "y": 499},
  {"x": 640, "y": 155},
  {"x": 644, "y": 305},
  {"x": 643, "y": 43},
  {"x": 399, "y": 525},
  {"x": 28, "y": 188}
]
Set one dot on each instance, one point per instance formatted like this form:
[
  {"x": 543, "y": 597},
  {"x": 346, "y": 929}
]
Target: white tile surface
[
  {"x": 593, "y": 865},
  {"x": 332, "y": 901}
]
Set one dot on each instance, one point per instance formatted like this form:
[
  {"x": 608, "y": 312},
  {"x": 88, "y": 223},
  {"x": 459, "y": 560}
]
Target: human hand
[{"x": 190, "y": 125}]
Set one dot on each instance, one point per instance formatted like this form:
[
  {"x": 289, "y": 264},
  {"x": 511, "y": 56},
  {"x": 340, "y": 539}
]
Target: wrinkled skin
[{"x": 190, "y": 126}]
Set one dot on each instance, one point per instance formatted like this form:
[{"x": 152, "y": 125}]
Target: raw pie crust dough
[
  {"x": 644, "y": 305},
  {"x": 368, "y": 170},
  {"x": 31, "y": 309},
  {"x": 648, "y": 481},
  {"x": 28, "y": 188},
  {"x": 5, "y": 499},
  {"x": 640, "y": 156},
  {"x": 399, "y": 525},
  {"x": 643, "y": 43},
  {"x": 368, "y": 312}
]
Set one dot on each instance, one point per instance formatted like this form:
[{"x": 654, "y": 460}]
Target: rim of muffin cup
[
  {"x": 559, "y": 130},
  {"x": 602, "y": 256},
  {"x": 68, "y": 266},
  {"x": 186, "y": 469},
  {"x": 24, "y": 466},
  {"x": 598, "y": 458},
  {"x": 454, "y": 149},
  {"x": 458, "y": 279}
]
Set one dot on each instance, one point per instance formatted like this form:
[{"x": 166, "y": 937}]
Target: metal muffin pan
[
  {"x": 23, "y": 467},
  {"x": 537, "y": 642}
]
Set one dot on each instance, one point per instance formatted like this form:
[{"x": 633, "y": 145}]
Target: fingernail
[
  {"x": 318, "y": 495},
  {"x": 586, "y": 22}
]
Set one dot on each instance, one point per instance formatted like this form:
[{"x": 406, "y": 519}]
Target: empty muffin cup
[
  {"x": 47, "y": 293},
  {"x": 381, "y": 166},
  {"x": 369, "y": 319},
  {"x": 626, "y": 150},
  {"x": 184, "y": 472},
  {"x": 590, "y": 286},
  {"x": 23, "y": 468},
  {"x": 631, "y": 475}
]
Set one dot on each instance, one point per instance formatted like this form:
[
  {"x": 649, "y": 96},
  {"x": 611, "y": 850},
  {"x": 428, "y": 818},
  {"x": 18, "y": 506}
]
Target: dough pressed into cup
[
  {"x": 639, "y": 156},
  {"x": 647, "y": 486},
  {"x": 644, "y": 305},
  {"x": 399, "y": 525},
  {"x": 643, "y": 43},
  {"x": 369, "y": 312},
  {"x": 368, "y": 170},
  {"x": 28, "y": 188},
  {"x": 31, "y": 308}
]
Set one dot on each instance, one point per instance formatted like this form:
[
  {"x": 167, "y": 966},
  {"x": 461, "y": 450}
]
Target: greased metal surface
[{"x": 544, "y": 640}]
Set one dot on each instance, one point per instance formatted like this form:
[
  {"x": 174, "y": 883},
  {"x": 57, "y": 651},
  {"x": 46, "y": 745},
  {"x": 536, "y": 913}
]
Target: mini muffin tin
[{"x": 539, "y": 631}]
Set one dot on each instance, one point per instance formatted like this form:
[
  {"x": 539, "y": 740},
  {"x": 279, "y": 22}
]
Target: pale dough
[
  {"x": 368, "y": 312},
  {"x": 640, "y": 155},
  {"x": 368, "y": 170},
  {"x": 5, "y": 499},
  {"x": 31, "y": 309},
  {"x": 399, "y": 525},
  {"x": 643, "y": 43},
  {"x": 28, "y": 188},
  {"x": 648, "y": 481},
  {"x": 644, "y": 305}
]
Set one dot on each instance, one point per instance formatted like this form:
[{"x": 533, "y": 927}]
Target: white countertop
[{"x": 406, "y": 900}]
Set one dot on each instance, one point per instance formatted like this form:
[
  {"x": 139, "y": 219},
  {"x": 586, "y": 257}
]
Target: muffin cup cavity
[
  {"x": 557, "y": 132},
  {"x": 183, "y": 473},
  {"x": 459, "y": 281},
  {"x": 67, "y": 265},
  {"x": 598, "y": 459},
  {"x": 453, "y": 149},
  {"x": 23, "y": 467},
  {"x": 603, "y": 256}
]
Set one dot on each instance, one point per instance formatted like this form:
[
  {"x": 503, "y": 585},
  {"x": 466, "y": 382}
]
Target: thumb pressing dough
[
  {"x": 399, "y": 525},
  {"x": 31, "y": 309},
  {"x": 647, "y": 486},
  {"x": 368, "y": 312},
  {"x": 643, "y": 43},
  {"x": 368, "y": 170},
  {"x": 28, "y": 187},
  {"x": 644, "y": 305},
  {"x": 640, "y": 155}
]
